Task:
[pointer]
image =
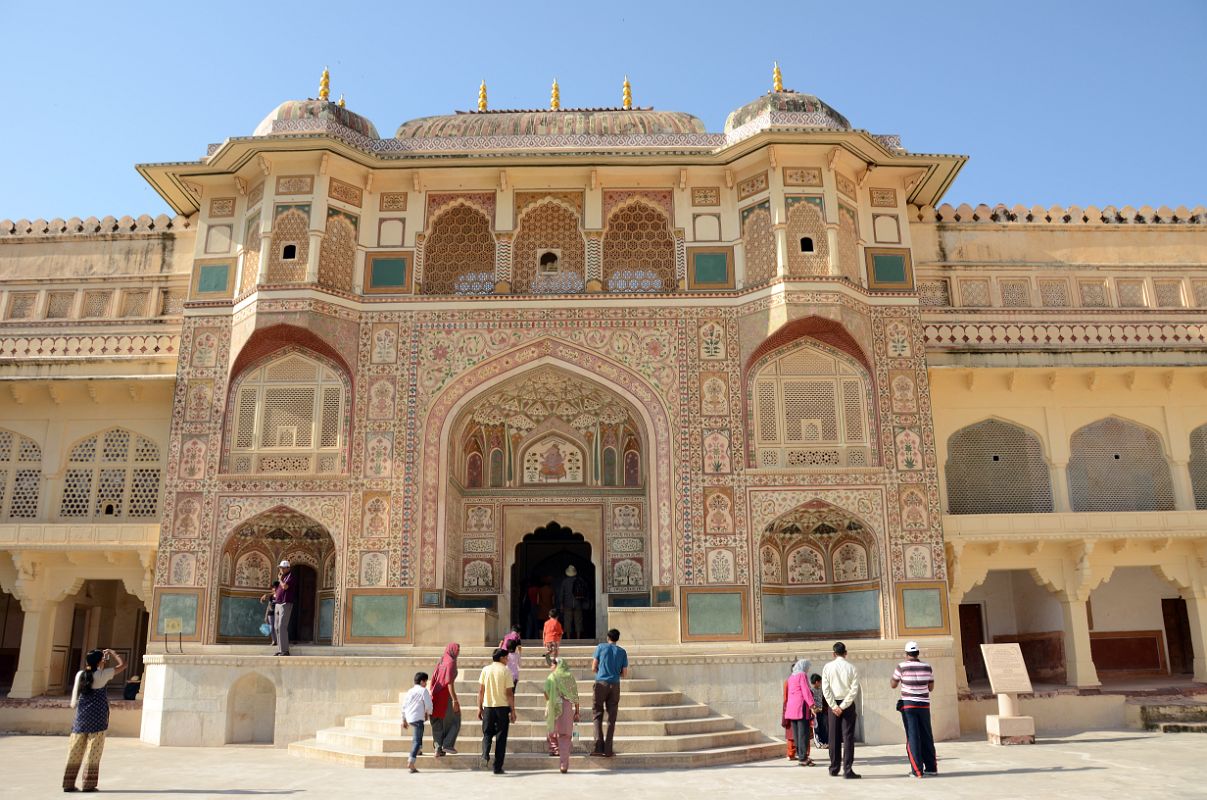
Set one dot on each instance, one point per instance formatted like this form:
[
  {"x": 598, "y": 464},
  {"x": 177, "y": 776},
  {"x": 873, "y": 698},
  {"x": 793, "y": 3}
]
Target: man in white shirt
[{"x": 840, "y": 685}]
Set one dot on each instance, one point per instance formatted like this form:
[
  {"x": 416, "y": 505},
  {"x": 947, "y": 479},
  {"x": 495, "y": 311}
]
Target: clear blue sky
[{"x": 1055, "y": 102}]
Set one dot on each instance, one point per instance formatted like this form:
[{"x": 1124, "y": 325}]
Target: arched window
[
  {"x": 1198, "y": 465},
  {"x": 289, "y": 416},
  {"x": 1116, "y": 465},
  {"x": 459, "y": 254},
  {"x": 20, "y": 476},
  {"x": 638, "y": 250},
  {"x": 609, "y": 466},
  {"x": 810, "y": 410},
  {"x": 112, "y": 475},
  {"x": 994, "y": 467}
]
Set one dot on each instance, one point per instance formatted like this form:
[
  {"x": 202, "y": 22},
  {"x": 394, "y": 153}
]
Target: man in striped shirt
[{"x": 916, "y": 680}]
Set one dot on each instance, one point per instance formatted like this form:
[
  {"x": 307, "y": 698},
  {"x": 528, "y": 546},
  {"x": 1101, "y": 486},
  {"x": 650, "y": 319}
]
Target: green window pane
[
  {"x": 714, "y": 613},
  {"x": 711, "y": 268},
  {"x": 379, "y": 616},
  {"x": 213, "y": 278},
  {"x": 388, "y": 273},
  {"x": 889, "y": 268}
]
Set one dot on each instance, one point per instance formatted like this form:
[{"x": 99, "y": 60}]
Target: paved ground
[{"x": 1092, "y": 765}]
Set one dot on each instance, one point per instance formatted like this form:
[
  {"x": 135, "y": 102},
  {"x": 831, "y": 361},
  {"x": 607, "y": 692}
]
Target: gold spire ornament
[
  {"x": 777, "y": 78},
  {"x": 555, "y": 97},
  {"x": 626, "y": 95},
  {"x": 342, "y": 104},
  {"x": 325, "y": 86},
  {"x": 482, "y": 96}
]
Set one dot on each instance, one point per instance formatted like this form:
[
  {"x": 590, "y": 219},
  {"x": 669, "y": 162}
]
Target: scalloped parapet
[
  {"x": 93, "y": 227},
  {"x": 1059, "y": 215}
]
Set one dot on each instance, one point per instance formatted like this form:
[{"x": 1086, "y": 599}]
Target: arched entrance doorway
[
  {"x": 540, "y": 581},
  {"x": 249, "y": 566}
]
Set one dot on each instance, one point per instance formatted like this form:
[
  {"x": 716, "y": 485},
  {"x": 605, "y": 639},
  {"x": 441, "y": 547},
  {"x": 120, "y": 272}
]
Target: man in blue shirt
[{"x": 610, "y": 663}]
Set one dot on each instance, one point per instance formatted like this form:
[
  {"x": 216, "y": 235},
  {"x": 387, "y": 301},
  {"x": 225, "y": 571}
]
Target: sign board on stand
[{"x": 1008, "y": 678}]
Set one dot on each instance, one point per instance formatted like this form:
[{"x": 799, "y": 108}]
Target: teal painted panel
[
  {"x": 664, "y": 596},
  {"x": 468, "y": 601},
  {"x": 923, "y": 607},
  {"x": 241, "y": 617},
  {"x": 213, "y": 278},
  {"x": 888, "y": 268},
  {"x": 629, "y": 601},
  {"x": 327, "y": 618},
  {"x": 388, "y": 273},
  {"x": 183, "y": 606},
  {"x": 381, "y": 616},
  {"x": 714, "y": 613},
  {"x": 711, "y": 268},
  {"x": 821, "y": 613}
]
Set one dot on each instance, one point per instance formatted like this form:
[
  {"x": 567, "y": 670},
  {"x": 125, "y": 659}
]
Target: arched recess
[
  {"x": 289, "y": 412},
  {"x": 812, "y": 406},
  {"x": 1118, "y": 465},
  {"x": 253, "y": 550},
  {"x": 445, "y": 412},
  {"x": 1198, "y": 465},
  {"x": 549, "y": 250},
  {"x": 819, "y": 575},
  {"x": 997, "y": 467},
  {"x": 638, "y": 249},
  {"x": 337, "y": 253},
  {"x": 20, "y": 476},
  {"x": 251, "y": 710},
  {"x": 459, "y": 252},
  {"x": 758, "y": 244}
]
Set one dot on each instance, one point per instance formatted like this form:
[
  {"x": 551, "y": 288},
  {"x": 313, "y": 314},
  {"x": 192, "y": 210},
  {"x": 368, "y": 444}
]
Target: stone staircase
[
  {"x": 656, "y": 729},
  {"x": 1174, "y": 714}
]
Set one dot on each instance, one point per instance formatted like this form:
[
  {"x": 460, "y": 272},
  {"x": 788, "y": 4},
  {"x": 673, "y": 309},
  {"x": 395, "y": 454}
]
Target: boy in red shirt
[{"x": 552, "y": 636}]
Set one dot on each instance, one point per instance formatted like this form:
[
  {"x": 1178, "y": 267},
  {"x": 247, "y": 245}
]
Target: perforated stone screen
[
  {"x": 994, "y": 467},
  {"x": 20, "y": 476},
  {"x": 115, "y": 474},
  {"x": 1198, "y": 466},
  {"x": 1118, "y": 466}
]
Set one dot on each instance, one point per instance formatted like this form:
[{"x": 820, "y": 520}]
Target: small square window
[
  {"x": 806, "y": 244},
  {"x": 289, "y": 252},
  {"x": 549, "y": 262}
]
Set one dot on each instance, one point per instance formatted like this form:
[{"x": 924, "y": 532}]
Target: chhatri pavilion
[{"x": 760, "y": 387}]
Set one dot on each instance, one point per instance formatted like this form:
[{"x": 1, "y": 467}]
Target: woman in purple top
[{"x": 799, "y": 710}]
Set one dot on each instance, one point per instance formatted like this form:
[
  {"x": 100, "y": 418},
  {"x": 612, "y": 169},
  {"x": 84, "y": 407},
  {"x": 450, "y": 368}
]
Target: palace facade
[{"x": 760, "y": 387}]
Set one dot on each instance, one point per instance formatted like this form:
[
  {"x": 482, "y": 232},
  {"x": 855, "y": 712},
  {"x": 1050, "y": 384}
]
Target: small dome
[
  {"x": 563, "y": 122},
  {"x": 806, "y": 111},
  {"x": 313, "y": 116}
]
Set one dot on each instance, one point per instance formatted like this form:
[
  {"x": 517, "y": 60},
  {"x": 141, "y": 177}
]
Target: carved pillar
[
  {"x": 832, "y": 242},
  {"x": 37, "y": 634},
  {"x": 312, "y": 258},
  {"x": 419, "y": 240},
  {"x": 594, "y": 259},
  {"x": 1079, "y": 663},
  {"x": 1196, "y": 610},
  {"x": 1059, "y": 471},
  {"x": 503, "y": 267},
  {"x": 781, "y": 249},
  {"x": 1183, "y": 488},
  {"x": 681, "y": 259}
]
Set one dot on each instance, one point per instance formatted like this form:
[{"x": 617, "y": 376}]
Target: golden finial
[
  {"x": 555, "y": 97},
  {"x": 342, "y": 104},
  {"x": 626, "y": 95},
  {"x": 482, "y": 96},
  {"x": 777, "y": 78},
  {"x": 325, "y": 85}
]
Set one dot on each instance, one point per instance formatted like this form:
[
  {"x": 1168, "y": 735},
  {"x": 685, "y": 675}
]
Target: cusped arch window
[
  {"x": 112, "y": 475},
  {"x": 811, "y": 409},
  {"x": 994, "y": 467},
  {"x": 20, "y": 476},
  {"x": 289, "y": 416},
  {"x": 1116, "y": 465},
  {"x": 1198, "y": 465}
]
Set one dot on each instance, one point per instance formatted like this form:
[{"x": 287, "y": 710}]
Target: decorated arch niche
[
  {"x": 459, "y": 250},
  {"x": 549, "y": 250},
  {"x": 248, "y": 566},
  {"x": 638, "y": 249},
  {"x": 819, "y": 574}
]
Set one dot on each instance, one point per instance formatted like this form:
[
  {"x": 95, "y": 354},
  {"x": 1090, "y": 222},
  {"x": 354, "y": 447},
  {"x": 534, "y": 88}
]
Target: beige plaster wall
[
  {"x": 54, "y": 718},
  {"x": 1053, "y": 713},
  {"x": 97, "y": 256}
]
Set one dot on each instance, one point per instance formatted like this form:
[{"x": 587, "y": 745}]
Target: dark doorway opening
[
  {"x": 1177, "y": 635},
  {"x": 303, "y": 628},
  {"x": 541, "y": 561},
  {"x": 972, "y": 636}
]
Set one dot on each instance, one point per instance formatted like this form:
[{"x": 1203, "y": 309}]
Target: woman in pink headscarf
[{"x": 446, "y": 708}]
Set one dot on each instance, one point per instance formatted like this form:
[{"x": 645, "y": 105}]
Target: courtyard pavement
[{"x": 1101, "y": 764}]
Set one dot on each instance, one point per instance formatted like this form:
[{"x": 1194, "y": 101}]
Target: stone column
[
  {"x": 1183, "y": 488},
  {"x": 1059, "y": 472},
  {"x": 781, "y": 249},
  {"x": 832, "y": 242},
  {"x": 312, "y": 258},
  {"x": 265, "y": 252},
  {"x": 1079, "y": 663},
  {"x": 33, "y": 663},
  {"x": 1196, "y": 610}
]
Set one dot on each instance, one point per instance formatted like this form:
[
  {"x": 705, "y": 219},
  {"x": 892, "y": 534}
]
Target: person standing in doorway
[
  {"x": 446, "y": 708},
  {"x": 840, "y": 686},
  {"x": 572, "y": 599},
  {"x": 917, "y": 681},
  {"x": 610, "y": 663},
  {"x": 283, "y": 596},
  {"x": 496, "y": 707},
  {"x": 416, "y": 710},
  {"x": 91, "y": 706}
]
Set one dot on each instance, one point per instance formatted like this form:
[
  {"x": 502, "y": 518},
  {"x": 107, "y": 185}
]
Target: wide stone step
[
  {"x": 536, "y": 698},
  {"x": 535, "y": 726},
  {"x": 520, "y": 762},
  {"x": 535, "y": 742},
  {"x": 534, "y": 712},
  {"x": 1174, "y": 712},
  {"x": 1180, "y": 727}
]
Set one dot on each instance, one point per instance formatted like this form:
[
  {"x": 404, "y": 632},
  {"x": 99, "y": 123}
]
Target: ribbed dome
[
  {"x": 321, "y": 112},
  {"x": 564, "y": 122},
  {"x": 812, "y": 111}
]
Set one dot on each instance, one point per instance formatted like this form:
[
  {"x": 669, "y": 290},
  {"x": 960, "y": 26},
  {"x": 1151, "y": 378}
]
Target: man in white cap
[
  {"x": 283, "y": 596},
  {"x": 572, "y": 600},
  {"x": 917, "y": 681}
]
